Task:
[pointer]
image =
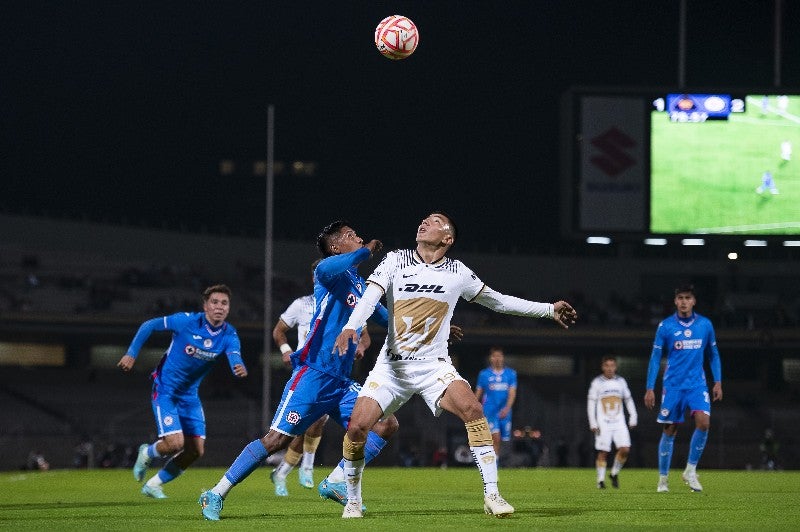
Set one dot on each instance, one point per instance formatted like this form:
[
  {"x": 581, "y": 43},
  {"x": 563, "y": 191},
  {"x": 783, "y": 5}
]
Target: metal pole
[
  {"x": 682, "y": 45},
  {"x": 778, "y": 34},
  {"x": 266, "y": 388}
]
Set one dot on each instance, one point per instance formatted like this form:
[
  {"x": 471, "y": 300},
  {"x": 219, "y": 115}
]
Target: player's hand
[
  {"x": 632, "y": 425},
  {"x": 126, "y": 363},
  {"x": 360, "y": 350},
  {"x": 374, "y": 246},
  {"x": 649, "y": 399},
  {"x": 343, "y": 341},
  {"x": 564, "y": 314},
  {"x": 287, "y": 359},
  {"x": 503, "y": 413},
  {"x": 239, "y": 370},
  {"x": 456, "y": 334},
  {"x": 595, "y": 430},
  {"x": 716, "y": 391}
]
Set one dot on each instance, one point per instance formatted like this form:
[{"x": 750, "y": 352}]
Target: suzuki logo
[{"x": 613, "y": 144}]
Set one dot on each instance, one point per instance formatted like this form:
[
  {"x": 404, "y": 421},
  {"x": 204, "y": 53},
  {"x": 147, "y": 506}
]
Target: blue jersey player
[
  {"x": 320, "y": 383},
  {"x": 198, "y": 339},
  {"x": 686, "y": 339},
  {"x": 497, "y": 391}
]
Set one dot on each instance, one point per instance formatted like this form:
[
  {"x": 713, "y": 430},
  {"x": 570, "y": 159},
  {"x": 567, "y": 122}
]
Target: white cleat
[
  {"x": 663, "y": 484},
  {"x": 497, "y": 506},
  {"x": 352, "y": 510},
  {"x": 691, "y": 480}
]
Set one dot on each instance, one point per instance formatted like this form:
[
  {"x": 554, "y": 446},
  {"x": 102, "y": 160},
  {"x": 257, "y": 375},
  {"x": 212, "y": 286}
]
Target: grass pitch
[
  {"x": 407, "y": 499},
  {"x": 704, "y": 175}
]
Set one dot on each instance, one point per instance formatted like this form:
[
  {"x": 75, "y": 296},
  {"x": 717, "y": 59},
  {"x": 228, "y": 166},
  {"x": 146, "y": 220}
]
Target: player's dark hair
[
  {"x": 221, "y": 288},
  {"x": 684, "y": 288},
  {"x": 324, "y": 238},
  {"x": 495, "y": 348},
  {"x": 608, "y": 357},
  {"x": 453, "y": 228}
]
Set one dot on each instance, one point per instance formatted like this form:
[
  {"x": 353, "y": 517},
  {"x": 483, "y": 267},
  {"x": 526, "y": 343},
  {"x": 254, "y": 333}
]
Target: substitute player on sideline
[
  {"x": 686, "y": 338},
  {"x": 198, "y": 339},
  {"x": 607, "y": 393},
  {"x": 422, "y": 287}
]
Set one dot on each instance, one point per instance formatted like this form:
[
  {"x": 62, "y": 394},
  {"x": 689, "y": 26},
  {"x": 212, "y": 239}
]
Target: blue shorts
[
  {"x": 503, "y": 426},
  {"x": 675, "y": 402},
  {"x": 178, "y": 413},
  {"x": 308, "y": 395}
]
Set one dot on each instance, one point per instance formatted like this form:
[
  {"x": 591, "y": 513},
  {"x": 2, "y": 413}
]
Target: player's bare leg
[
  {"x": 619, "y": 461},
  {"x": 460, "y": 400}
]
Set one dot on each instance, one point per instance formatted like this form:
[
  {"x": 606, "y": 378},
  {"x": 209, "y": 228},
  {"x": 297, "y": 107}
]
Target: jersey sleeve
[
  {"x": 655, "y": 357},
  {"x": 713, "y": 353},
  {"x": 172, "y": 322},
  {"x": 234, "y": 350},
  {"x": 512, "y": 379},
  {"x": 383, "y": 274},
  {"x": 627, "y": 397},
  {"x": 481, "y": 380},
  {"x": 472, "y": 286},
  {"x": 513, "y": 305},
  {"x": 331, "y": 267},
  {"x": 293, "y": 313},
  {"x": 591, "y": 405}
]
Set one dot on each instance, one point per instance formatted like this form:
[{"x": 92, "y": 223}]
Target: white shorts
[
  {"x": 391, "y": 384},
  {"x": 617, "y": 433}
]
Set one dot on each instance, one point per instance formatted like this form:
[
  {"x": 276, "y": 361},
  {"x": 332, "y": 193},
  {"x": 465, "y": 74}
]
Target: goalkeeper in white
[
  {"x": 607, "y": 419},
  {"x": 422, "y": 287}
]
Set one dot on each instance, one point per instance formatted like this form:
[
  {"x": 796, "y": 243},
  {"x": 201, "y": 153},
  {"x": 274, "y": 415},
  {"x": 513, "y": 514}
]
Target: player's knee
[
  {"x": 275, "y": 441},
  {"x": 385, "y": 428},
  {"x": 172, "y": 445}
]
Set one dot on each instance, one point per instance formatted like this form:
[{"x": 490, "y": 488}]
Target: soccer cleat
[
  {"x": 663, "y": 484},
  {"x": 156, "y": 492},
  {"x": 335, "y": 491},
  {"x": 306, "y": 477},
  {"x": 615, "y": 481},
  {"x": 691, "y": 480},
  {"x": 280, "y": 485},
  {"x": 601, "y": 485},
  {"x": 352, "y": 510},
  {"x": 211, "y": 503},
  {"x": 142, "y": 461},
  {"x": 497, "y": 506}
]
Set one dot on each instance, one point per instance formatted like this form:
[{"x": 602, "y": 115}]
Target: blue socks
[
  {"x": 665, "y": 453},
  {"x": 169, "y": 472},
  {"x": 697, "y": 445},
  {"x": 247, "y": 462}
]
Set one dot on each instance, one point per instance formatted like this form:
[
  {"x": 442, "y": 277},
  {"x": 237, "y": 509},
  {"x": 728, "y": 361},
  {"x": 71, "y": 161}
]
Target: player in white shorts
[
  {"x": 607, "y": 393},
  {"x": 422, "y": 287}
]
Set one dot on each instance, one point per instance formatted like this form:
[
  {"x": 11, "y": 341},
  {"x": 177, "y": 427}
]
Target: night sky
[{"x": 121, "y": 111}]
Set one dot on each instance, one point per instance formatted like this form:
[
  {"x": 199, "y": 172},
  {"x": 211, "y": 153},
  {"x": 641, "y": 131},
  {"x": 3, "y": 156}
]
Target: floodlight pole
[
  {"x": 682, "y": 45},
  {"x": 266, "y": 388},
  {"x": 778, "y": 47}
]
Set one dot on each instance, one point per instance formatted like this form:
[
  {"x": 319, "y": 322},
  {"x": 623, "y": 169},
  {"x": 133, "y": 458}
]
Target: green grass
[
  {"x": 704, "y": 175},
  {"x": 407, "y": 499}
]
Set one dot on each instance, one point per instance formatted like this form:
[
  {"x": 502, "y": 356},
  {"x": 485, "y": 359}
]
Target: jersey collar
[{"x": 418, "y": 258}]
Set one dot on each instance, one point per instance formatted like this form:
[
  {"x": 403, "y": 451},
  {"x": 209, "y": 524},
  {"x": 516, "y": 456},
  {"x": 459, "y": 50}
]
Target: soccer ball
[{"x": 396, "y": 37}]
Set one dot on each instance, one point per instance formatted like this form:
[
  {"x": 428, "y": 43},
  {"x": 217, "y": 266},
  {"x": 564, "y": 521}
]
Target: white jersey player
[
  {"x": 607, "y": 393},
  {"x": 422, "y": 287}
]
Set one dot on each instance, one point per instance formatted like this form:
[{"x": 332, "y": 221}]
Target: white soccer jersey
[
  {"x": 605, "y": 400},
  {"x": 421, "y": 299},
  {"x": 299, "y": 314}
]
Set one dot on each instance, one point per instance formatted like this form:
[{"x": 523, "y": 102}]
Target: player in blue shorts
[
  {"x": 686, "y": 338},
  {"x": 497, "y": 390},
  {"x": 198, "y": 339},
  {"x": 320, "y": 383}
]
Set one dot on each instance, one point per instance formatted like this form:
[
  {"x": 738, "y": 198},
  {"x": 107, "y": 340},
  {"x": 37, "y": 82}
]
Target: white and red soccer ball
[{"x": 396, "y": 37}]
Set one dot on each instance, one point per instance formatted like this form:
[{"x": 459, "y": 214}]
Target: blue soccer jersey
[
  {"x": 337, "y": 289},
  {"x": 495, "y": 388},
  {"x": 685, "y": 341},
  {"x": 195, "y": 346}
]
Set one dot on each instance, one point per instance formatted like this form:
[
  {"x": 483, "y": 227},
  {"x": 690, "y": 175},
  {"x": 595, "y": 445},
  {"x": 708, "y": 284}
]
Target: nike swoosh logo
[
  {"x": 196, "y": 337},
  {"x": 664, "y": 454},
  {"x": 409, "y": 275}
]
